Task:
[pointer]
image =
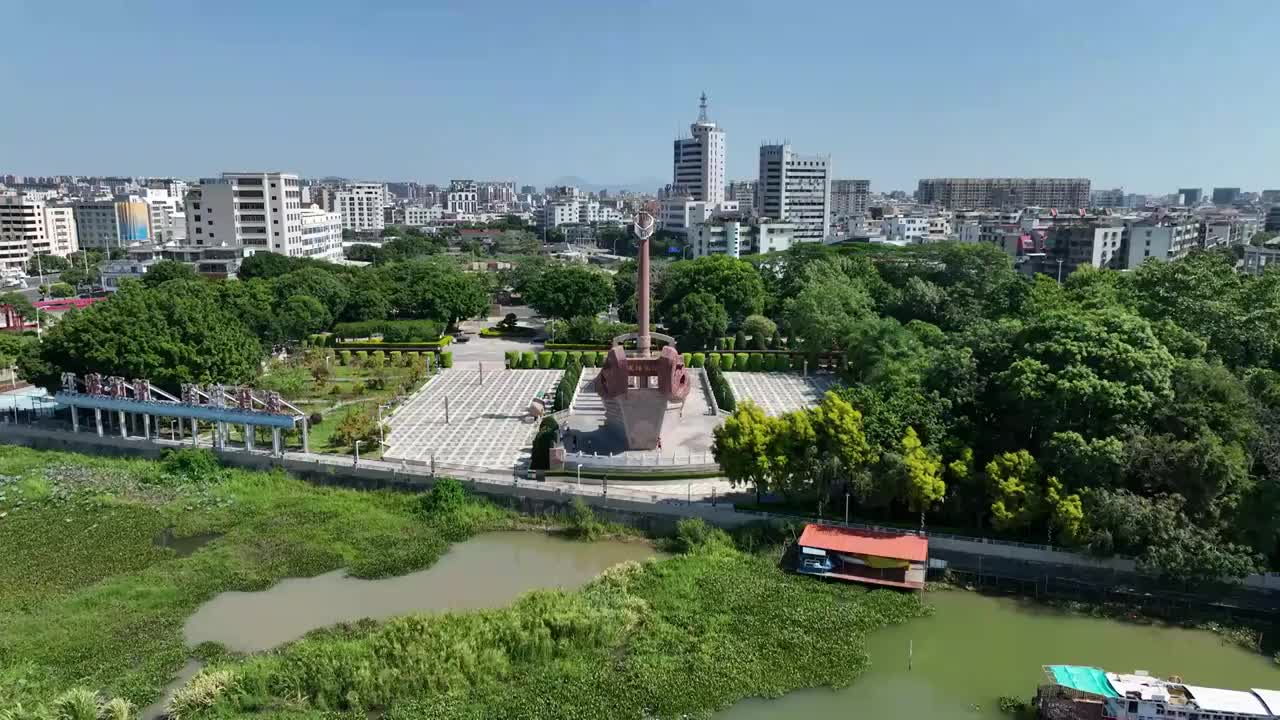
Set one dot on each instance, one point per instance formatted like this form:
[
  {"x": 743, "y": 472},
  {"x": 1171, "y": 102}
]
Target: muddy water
[
  {"x": 957, "y": 663},
  {"x": 487, "y": 571}
]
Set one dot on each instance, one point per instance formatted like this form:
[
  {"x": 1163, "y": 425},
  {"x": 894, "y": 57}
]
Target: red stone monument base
[{"x": 638, "y": 414}]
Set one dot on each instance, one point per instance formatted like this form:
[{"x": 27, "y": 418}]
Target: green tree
[
  {"x": 825, "y": 312},
  {"x": 177, "y": 333},
  {"x": 565, "y": 291},
  {"x": 1013, "y": 478},
  {"x": 735, "y": 283},
  {"x": 840, "y": 432},
  {"x": 1066, "y": 512},
  {"x": 20, "y": 304},
  {"x": 323, "y": 285},
  {"x": 303, "y": 315},
  {"x": 61, "y": 290},
  {"x": 435, "y": 290},
  {"x": 923, "y": 467},
  {"x": 698, "y": 320},
  {"x": 760, "y": 328},
  {"x": 167, "y": 270},
  {"x": 741, "y": 446}
]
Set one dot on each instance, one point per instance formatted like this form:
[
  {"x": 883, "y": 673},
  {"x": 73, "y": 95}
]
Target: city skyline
[{"x": 364, "y": 97}]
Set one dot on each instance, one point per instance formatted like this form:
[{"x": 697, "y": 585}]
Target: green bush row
[
  {"x": 719, "y": 386},
  {"x": 392, "y": 331},
  {"x": 517, "y": 331},
  {"x": 547, "y": 360},
  {"x": 568, "y": 386},
  {"x": 770, "y": 361},
  {"x": 397, "y": 358}
]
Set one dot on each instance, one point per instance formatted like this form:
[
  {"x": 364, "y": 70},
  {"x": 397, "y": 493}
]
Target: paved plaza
[
  {"x": 490, "y": 425},
  {"x": 777, "y": 393}
]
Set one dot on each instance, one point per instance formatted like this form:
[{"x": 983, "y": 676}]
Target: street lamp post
[
  {"x": 579, "y": 477},
  {"x": 1059, "y": 271},
  {"x": 357, "y": 462},
  {"x": 846, "y": 508}
]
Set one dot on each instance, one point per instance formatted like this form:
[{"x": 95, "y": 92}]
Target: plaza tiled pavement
[
  {"x": 490, "y": 425},
  {"x": 778, "y": 393}
]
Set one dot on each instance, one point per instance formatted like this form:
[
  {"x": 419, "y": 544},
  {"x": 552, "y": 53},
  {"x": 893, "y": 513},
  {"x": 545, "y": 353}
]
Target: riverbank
[
  {"x": 99, "y": 587},
  {"x": 89, "y": 597}
]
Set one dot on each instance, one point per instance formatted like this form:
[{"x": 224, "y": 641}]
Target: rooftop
[{"x": 866, "y": 542}]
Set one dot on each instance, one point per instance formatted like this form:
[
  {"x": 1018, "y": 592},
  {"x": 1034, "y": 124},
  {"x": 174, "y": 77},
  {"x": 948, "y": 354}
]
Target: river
[
  {"x": 976, "y": 648},
  {"x": 487, "y": 571}
]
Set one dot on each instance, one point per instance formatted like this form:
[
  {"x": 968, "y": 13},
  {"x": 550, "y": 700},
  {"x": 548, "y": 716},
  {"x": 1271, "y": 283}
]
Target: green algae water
[{"x": 976, "y": 648}]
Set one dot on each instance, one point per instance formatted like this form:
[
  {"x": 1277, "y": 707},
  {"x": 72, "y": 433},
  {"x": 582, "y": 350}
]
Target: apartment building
[
  {"x": 463, "y": 197},
  {"x": 999, "y": 193},
  {"x": 1190, "y": 197},
  {"x": 60, "y": 226},
  {"x": 1225, "y": 195},
  {"x": 742, "y": 192},
  {"x": 420, "y": 216},
  {"x": 849, "y": 197},
  {"x": 1163, "y": 237},
  {"x": 698, "y": 160},
  {"x": 108, "y": 224},
  {"x": 1226, "y": 229},
  {"x": 1073, "y": 242},
  {"x": 321, "y": 236},
  {"x": 796, "y": 189},
  {"x": 22, "y": 231},
  {"x": 738, "y": 236},
  {"x": 251, "y": 210},
  {"x": 1113, "y": 198},
  {"x": 361, "y": 206}
]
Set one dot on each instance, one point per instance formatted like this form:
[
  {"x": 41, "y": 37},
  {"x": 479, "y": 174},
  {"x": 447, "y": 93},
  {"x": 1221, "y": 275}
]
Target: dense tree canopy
[
  {"x": 735, "y": 283},
  {"x": 567, "y": 291}
]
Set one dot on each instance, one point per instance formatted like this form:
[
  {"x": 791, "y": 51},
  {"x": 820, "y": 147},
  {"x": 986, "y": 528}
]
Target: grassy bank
[
  {"x": 680, "y": 637},
  {"x": 88, "y": 599}
]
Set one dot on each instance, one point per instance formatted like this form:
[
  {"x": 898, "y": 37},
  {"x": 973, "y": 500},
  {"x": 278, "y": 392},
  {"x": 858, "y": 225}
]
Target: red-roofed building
[{"x": 865, "y": 556}]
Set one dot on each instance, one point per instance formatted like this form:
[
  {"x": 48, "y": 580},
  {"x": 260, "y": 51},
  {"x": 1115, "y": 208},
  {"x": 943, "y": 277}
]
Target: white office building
[
  {"x": 165, "y": 211},
  {"x": 107, "y": 224},
  {"x": 415, "y": 216},
  {"x": 680, "y": 214},
  {"x": 462, "y": 197},
  {"x": 360, "y": 205},
  {"x": 796, "y": 189},
  {"x": 738, "y": 236},
  {"x": 699, "y": 159},
  {"x": 1162, "y": 238},
  {"x": 321, "y": 236},
  {"x": 742, "y": 192},
  {"x": 60, "y": 226},
  {"x": 22, "y": 231},
  {"x": 251, "y": 210},
  {"x": 905, "y": 230}
]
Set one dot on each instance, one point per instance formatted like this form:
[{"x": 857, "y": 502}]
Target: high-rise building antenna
[{"x": 702, "y": 108}]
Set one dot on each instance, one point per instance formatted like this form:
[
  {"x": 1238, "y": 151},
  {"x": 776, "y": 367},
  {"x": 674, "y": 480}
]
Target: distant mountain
[{"x": 644, "y": 185}]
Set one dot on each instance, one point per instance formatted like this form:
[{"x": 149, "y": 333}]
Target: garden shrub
[
  {"x": 446, "y": 359},
  {"x": 513, "y": 359},
  {"x": 397, "y": 357},
  {"x": 558, "y": 358},
  {"x": 445, "y": 496},
  {"x": 379, "y": 356},
  {"x": 315, "y": 419},
  {"x": 599, "y": 359},
  {"x": 687, "y": 358},
  {"x": 548, "y": 433},
  {"x": 720, "y": 387},
  {"x": 713, "y": 359},
  {"x": 544, "y": 360},
  {"x": 740, "y": 361},
  {"x": 757, "y": 362},
  {"x": 528, "y": 359},
  {"x": 362, "y": 355},
  {"x": 697, "y": 360},
  {"x": 346, "y": 357},
  {"x": 727, "y": 343},
  {"x": 574, "y": 356},
  {"x": 582, "y": 521},
  {"x": 726, "y": 361},
  {"x": 567, "y": 388}
]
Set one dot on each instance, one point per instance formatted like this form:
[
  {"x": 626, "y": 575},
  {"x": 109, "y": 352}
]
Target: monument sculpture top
[{"x": 615, "y": 381}]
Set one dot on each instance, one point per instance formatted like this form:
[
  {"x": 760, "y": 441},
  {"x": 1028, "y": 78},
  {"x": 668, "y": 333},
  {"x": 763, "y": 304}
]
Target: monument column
[{"x": 644, "y": 226}]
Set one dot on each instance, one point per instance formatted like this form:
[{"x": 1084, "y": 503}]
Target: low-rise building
[
  {"x": 361, "y": 206},
  {"x": 321, "y": 237},
  {"x": 1163, "y": 237},
  {"x": 137, "y": 260},
  {"x": 415, "y": 216},
  {"x": 740, "y": 235}
]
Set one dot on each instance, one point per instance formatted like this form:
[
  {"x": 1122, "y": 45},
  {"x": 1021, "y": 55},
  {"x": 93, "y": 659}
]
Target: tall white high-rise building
[
  {"x": 60, "y": 226},
  {"x": 795, "y": 189},
  {"x": 253, "y": 210},
  {"x": 360, "y": 205},
  {"x": 463, "y": 197},
  {"x": 699, "y": 159}
]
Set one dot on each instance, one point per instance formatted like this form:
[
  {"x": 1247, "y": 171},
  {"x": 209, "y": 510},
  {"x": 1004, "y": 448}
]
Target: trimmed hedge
[
  {"x": 528, "y": 359},
  {"x": 379, "y": 345},
  {"x": 544, "y": 360},
  {"x": 558, "y": 359},
  {"x": 697, "y": 360},
  {"x": 346, "y": 357},
  {"x": 513, "y": 359},
  {"x": 397, "y": 357},
  {"x": 392, "y": 331},
  {"x": 720, "y": 388},
  {"x": 567, "y": 388},
  {"x": 573, "y": 346},
  {"x": 548, "y": 433},
  {"x": 741, "y": 361},
  {"x": 446, "y": 359},
  {"x": 687, "y": 358},
  {"x": 727, "y": 361},
  {"x": 574, "y": 356},
  {"x": 494, "y": 332}
]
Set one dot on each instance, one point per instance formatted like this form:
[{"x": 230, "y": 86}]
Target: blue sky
[{"x": 1148, "y": 95}]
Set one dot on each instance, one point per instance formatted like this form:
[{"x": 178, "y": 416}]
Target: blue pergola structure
[{"x": 212, "y": 404}]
